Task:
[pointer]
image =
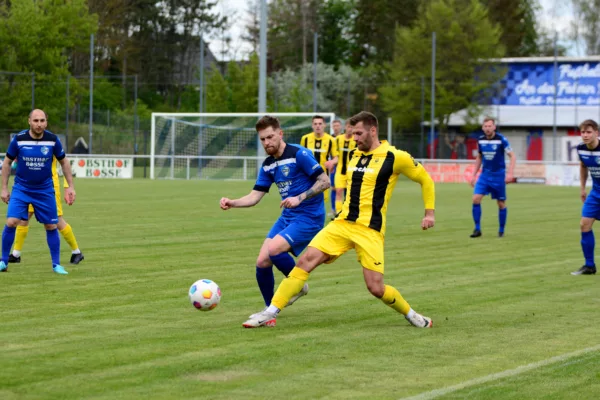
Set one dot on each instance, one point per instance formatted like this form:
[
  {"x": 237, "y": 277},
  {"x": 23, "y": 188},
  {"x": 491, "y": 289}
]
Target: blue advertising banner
[{"x": 532, "y": 84}]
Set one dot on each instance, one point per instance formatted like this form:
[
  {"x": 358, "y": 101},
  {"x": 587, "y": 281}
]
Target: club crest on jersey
[
  {"x": 363, "y": 161},
  {"x": 285, "y": 170},
  {"x": 597, "y": 159},
  {"x": 494, "y": 146},
  {"x": 318, "y": 145},
  {"x": 44, "y": 150}
]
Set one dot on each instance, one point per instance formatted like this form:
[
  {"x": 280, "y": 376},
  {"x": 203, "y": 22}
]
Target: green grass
[{"x": 120, "y": 326}]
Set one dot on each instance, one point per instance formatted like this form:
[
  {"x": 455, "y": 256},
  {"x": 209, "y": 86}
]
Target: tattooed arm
[{"x": 320, "y": 186}]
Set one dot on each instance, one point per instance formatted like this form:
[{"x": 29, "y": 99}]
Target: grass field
[{"x": 510, "y": 322}]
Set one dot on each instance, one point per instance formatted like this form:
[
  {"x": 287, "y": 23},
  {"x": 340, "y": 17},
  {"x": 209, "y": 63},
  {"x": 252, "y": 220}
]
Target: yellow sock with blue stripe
[
  {"x": 289, "y": 287},
  {"x": 20, "y": 237},
  {"x": 394, "y": 299},
  {"x": 69, "y": 236}
]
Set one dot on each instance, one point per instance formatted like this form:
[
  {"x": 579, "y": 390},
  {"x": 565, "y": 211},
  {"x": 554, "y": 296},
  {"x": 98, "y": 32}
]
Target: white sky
[{"x": 554, "y": 15}]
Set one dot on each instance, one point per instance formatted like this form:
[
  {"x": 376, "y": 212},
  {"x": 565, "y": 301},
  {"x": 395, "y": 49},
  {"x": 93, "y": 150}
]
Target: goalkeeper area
[{"x": 216, "y": 145}]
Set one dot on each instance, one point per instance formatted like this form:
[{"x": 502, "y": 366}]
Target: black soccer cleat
[
  {"x": 476, "y": 233},
  {"x": 13, "y": 259},
  {"x": 585, "y": 270},
  {"x": 77, "y": 258},
  {"x": 500, "y": 234}
]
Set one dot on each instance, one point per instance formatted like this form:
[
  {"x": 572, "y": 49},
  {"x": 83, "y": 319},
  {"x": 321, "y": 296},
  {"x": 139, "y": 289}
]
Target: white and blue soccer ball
[{"x": 205, "y": 294}]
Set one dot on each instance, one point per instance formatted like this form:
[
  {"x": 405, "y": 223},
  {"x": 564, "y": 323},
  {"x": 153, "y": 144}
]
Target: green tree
[
  {"x": 374, "y": 28},
  {"x": 517, "y": 18},
  {"x": 217, "y": 92},
  {"x": 465, "y": 37},
  {"x": 587, "y": 26},
  {"x": 39, "y": 37},
  {"x": 335, "y": 29}
]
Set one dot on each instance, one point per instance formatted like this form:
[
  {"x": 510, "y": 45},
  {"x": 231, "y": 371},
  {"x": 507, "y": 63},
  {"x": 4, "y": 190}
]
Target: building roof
[{"x": 531, "y": 116}]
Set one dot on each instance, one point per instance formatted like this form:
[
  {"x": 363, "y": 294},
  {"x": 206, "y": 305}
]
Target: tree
[
  {"x": 519, "y": 25},
  {"x": 465, "y": 37},
  {"x": 39, "y": 37},
  {"x": 588, "y": 24},
  {"x": 374, "y": 28},
  {"x": 236, "y": 90},
  {"x": 335, "y": 28}
]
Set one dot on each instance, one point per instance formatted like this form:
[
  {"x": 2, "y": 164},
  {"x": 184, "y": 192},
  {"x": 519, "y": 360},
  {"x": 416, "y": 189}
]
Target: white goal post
[{"x": 217, "y": 145}]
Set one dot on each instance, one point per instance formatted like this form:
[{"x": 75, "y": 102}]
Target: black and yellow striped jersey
[
  {"x": 55, "y": 178},
  {"x": 371, "y": 180},
  {"x": 323, "y": 148},
  {"x": 344, "y": 146}
]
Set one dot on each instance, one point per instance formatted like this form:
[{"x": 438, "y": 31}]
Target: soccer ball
[{"x": 205, "y": 294}]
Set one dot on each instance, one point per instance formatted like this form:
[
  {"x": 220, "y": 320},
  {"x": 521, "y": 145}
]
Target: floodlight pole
[{"x": 432, "y": 127}]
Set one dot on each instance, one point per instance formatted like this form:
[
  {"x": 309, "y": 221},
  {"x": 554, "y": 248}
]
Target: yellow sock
[
  {"x": 289, "y": 287},
  {"x": 394, "y": 299},
  {"x": 20, "y": 237},
  {"x": 338, "y": 205},
  {"x": 69, "y": 236}
]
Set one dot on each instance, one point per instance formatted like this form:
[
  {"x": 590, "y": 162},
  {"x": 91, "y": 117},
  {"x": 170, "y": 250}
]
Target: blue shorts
[
  {"x": 491, "y": 185},
  {"x": 591, "y": 207},
  {"x": 298, "y": 233},
  {"x": 43, "y": 202}
]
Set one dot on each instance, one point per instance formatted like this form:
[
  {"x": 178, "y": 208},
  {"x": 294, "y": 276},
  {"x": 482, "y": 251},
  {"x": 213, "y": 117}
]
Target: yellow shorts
[
  {"x": 340, "y": 181},
  {"x": 340, "y": 236},
  {"x": 58, "y": 203}
]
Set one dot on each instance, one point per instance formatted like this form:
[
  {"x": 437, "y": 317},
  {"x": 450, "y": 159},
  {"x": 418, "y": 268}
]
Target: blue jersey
[
  {"x": 492, "y": 154},
  {"x": 34, "y": 159},
  {"x": 590, "y": 158},
  {"x": 294, "y": 173}
]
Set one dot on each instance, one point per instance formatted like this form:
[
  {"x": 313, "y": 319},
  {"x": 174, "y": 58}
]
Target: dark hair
[
  {"x": 318, "y": 117},
  {"x": 336, "y": 120},
  {"x": 588, "y": 123},
  {"x": 267, "y": 121},
  {"x": 369, "y": 120},
  {"x": 486, "y": 119}
]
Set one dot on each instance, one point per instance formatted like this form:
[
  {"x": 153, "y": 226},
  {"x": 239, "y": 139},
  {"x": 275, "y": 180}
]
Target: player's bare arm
[
  {"x": 5, "y": 175},
  {"x": 583, "y": 175},
  {"x": 477, "y": 166},
  {"x": 249, "y": 200},
  {"x": 511, "y": 168},
  {"x": 69, "y": 191},
  {"x": 319, "y": 186}
]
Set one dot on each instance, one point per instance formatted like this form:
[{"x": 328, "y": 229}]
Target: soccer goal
[{"x": 216, "y": 145}]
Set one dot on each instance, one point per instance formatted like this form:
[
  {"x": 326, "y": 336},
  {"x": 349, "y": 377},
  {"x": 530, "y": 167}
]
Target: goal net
[{"x": 216, "y": 146}]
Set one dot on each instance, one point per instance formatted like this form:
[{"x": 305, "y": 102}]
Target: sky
[{"x": 554, "y": 15}]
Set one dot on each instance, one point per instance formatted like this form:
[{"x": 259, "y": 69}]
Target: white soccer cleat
[
  {"x": 302, "y": 292},
  {"x": 420, "y": 321},
  {"x": 262, "y": 318},
  {"x": 260, "y": 312}
]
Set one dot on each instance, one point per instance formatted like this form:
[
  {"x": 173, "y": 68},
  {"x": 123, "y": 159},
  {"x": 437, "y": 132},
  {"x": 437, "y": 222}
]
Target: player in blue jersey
[
  {"x": 589, "y": 157},
  {"x": 34, "y": 150},
  {"x": 494, "y": 177},
  {"x": 301, "y": 182}
]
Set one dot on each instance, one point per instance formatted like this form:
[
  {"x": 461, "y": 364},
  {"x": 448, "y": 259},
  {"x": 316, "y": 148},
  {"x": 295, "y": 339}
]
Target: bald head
[{"x": 38, "y": 121}]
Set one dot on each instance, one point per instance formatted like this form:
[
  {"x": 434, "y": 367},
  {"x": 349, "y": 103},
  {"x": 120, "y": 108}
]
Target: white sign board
[{"x": 113, "y": 168}]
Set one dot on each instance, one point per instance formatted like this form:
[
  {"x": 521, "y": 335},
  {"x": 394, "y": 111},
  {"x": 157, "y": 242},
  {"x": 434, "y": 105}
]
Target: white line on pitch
[{"x": 499, "y": 375}]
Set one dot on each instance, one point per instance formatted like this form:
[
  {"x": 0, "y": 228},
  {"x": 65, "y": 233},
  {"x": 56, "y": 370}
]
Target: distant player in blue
[
  {"x": 34, "y": 149},
  {"x": 301, "y": 182},
  {"x": 589, "y": 157},
  {"x": 493, "y": 178}
]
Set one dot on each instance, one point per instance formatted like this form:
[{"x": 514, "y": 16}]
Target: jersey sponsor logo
[
  {"x": 362, "y": 169},
  {"x": 283, "y": 187}
]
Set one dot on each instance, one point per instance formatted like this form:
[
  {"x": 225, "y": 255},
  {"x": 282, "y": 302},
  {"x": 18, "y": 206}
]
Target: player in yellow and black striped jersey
[
  {"x": 373, "y": 171},
  {"x": 345, "y": 144},
  {"x": 64, "y": 228},
  {"x": 323, "y": 146}
]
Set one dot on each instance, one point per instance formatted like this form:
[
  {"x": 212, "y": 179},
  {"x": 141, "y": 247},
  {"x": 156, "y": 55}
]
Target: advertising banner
[
  {"x": 463, "y": 172},
  {"x": 113, "y": 168},
  {"x": 532, "y": 84}
]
